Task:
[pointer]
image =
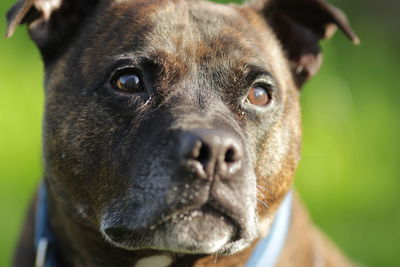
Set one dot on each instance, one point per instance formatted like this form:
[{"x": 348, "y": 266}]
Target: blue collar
[
  {"x": 44, "y": 240},
  {"x": 266, "y": 253}
]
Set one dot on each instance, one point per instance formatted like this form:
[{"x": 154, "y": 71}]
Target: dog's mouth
[
  {"x": 203, "y": 212},
  {"x": 206, "y": 229}
]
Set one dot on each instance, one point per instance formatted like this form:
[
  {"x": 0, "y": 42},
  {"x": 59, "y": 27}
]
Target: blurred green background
[{"x": 349, "y": 175}]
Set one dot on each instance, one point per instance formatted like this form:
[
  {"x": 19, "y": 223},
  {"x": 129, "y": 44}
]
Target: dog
[{"x": 172, "y": 132}]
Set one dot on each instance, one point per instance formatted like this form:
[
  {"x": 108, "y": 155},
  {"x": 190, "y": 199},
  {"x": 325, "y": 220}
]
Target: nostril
[
  {"x": 230, "y": 155},
  {"x": 117, "y": 234},
  {"x": 203, "y": 153}
]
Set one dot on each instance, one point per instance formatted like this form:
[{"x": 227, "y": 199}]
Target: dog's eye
[
  {"x": 258, "y": 96},
  {"x": 128, "y": 81}
]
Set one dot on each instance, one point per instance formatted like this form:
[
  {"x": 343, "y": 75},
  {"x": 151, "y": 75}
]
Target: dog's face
[{"x": 172, "y": 125}]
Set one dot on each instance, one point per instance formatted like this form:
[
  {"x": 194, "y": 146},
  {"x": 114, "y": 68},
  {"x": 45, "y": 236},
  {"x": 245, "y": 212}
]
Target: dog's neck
[{"x": 79, "y": 245}]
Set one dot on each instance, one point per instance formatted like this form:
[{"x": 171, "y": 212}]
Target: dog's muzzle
[{"x": 209, "y": 201}]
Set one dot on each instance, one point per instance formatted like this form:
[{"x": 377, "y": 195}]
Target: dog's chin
[
  {"x": 201, "y": 231},
  {"x": 206, "y": 233}
]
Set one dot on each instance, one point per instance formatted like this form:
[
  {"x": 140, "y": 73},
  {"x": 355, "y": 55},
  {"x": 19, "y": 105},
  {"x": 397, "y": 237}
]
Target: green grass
[
  {"x": 349, "y": 174},
  {"x": 350, "y": 167}
]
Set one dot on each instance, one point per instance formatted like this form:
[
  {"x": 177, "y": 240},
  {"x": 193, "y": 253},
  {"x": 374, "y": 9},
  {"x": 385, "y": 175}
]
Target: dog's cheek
[
  {"x": 279, "y": 156},
  {"x": 78, "y": 148}
]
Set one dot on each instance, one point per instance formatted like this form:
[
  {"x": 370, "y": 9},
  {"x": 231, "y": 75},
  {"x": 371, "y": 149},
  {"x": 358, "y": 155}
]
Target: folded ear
[
  {"x": 52, "y": 23},
  {"x": 300, "y": 25}
]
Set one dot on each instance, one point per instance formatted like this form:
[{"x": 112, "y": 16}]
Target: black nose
[{"x": 211, "y": 152}]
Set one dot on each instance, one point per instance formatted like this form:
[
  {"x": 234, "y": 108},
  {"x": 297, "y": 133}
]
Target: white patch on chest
[{"x": 154, "y": 261}]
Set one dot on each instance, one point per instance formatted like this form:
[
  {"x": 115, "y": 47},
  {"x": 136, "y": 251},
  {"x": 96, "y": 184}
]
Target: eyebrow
[{"x": 253, "y": 72}]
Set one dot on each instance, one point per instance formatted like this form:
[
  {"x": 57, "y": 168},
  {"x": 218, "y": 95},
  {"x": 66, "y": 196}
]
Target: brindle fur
[{"x": 112, "y": 158}]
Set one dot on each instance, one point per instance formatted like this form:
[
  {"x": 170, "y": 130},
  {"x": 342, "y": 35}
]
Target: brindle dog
[{"x": 172, "y": 128}]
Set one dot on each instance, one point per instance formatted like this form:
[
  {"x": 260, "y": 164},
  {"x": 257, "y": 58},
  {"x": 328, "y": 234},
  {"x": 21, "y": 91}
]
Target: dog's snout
[{"x": 211, "y": 152}]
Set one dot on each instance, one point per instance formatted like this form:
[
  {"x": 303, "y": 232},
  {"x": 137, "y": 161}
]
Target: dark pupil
[{"x": 129, "y": 81}]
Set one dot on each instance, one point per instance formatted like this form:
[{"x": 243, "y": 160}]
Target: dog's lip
[
  {"x": 191, "y": 213},
  {"x": 225, "y": 216},
  {"x": 122, "y": 237},
  {"x": 235, "y": 229}
]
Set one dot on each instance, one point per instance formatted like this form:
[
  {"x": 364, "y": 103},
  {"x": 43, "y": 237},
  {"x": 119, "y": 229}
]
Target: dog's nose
[{"x": 211, "y": 152}]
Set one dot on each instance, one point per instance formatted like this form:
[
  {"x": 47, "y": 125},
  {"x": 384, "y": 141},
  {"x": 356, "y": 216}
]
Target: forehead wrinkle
[
  {"x": 171, "y": 22},
  {"x": 198, "y": 33}
]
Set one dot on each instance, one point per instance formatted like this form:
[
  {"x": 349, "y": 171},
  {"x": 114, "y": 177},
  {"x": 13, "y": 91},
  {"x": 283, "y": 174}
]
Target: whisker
[
  {"x": 267, "y": 191},
  {"x": 263, "y": 203},
  {"x": 215, "y": 259}
]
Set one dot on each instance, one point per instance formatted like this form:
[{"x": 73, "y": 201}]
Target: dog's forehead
[
  {"x": 179, "y": 27},
  {"x": 196, "y": 32},
  {"x": 171, "y": 15}
]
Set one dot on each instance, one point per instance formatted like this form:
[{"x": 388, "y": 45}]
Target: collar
[
  {"x": 44, "y": 239},
  {"x": 266, "y": 253}
]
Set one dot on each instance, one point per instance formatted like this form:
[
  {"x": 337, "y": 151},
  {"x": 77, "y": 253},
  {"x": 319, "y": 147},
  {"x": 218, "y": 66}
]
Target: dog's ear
[
  {"x": 52, "y": 23},
  {"x": 300, "y": 25}
]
